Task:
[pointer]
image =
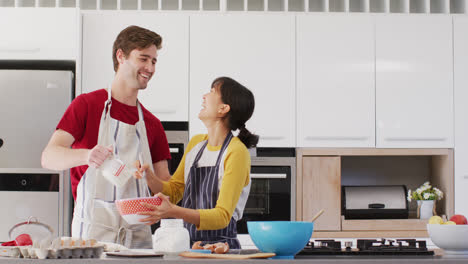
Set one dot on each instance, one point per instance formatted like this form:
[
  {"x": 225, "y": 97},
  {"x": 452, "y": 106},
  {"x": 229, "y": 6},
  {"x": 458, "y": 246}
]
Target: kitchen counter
[{"x": 316, "y": 259}]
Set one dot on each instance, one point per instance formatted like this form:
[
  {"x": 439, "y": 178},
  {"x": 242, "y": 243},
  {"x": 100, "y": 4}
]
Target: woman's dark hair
[{"x": 242, "y": 103}]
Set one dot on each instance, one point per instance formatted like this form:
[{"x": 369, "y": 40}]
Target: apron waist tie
[{"x": 124, "y": 234}]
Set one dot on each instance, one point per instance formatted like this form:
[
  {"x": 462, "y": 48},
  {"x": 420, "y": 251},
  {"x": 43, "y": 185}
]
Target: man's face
[{"x": 138, "y": 67}]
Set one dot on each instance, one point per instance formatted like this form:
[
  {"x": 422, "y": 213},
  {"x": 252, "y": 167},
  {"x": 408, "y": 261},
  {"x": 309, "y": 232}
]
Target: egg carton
[{"x": 61, "y": 253}]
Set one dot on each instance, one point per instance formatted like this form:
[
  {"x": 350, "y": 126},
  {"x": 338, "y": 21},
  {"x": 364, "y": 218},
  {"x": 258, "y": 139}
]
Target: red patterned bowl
[{"x": 129, "y": 208}]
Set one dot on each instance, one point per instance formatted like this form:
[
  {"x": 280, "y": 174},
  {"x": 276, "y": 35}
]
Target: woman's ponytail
[
  {"x": 242, "y": 104},
  {"x": 250, "y": 140}
]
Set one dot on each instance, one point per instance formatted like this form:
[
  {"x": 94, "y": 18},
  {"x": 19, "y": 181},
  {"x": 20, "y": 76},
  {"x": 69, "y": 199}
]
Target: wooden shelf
[
  {"x": 388, "y": 224},
  {"x": 318, "y": 185}
]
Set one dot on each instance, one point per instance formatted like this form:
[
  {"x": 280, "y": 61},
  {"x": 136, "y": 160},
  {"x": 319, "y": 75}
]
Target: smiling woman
[{"x": 213, "y": 178}]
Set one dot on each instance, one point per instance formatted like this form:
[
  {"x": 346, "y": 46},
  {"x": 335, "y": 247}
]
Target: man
[{"x": 111, "y": 124}]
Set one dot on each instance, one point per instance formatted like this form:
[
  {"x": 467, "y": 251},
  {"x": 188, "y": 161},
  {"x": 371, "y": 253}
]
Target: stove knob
[{"x": 348, "y": 244}]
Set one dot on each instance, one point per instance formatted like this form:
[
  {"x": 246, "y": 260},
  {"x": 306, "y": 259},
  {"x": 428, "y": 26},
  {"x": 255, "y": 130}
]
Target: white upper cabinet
[
  {"x": 460, "y": 45},
  {"x": 38, "y": 34},
  {"x": 167, "y": 93},
  {"x": 414, "y": 81},
  {"x": 257, "y": 50},
  {"x": 335, "y": 81}
]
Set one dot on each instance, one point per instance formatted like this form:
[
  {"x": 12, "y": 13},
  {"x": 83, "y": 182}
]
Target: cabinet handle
[
  {"x": 268, "y": 176},
  {"x": 272, "y": 137},
  {"x": 163, "y": 111},
  {"x": 335, "y": 138},
  {"x": 415, "y": 139},
  {"x": 20, "y": 50},
  {"x": 465, "y": 177}
]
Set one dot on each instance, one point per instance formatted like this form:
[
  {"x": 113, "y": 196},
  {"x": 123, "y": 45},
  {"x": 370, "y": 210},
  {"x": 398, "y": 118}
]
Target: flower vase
[{"x": 426, "y": 209}]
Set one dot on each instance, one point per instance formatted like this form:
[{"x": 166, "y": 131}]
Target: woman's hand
[
  {"x": 157, "y": 211},
  {"x": 141, "y": 169}
]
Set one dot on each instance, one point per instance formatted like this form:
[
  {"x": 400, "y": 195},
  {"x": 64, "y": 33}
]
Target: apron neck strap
[
  {"x": 226, "y": 142},
  {"x": 107, "y": 108}
]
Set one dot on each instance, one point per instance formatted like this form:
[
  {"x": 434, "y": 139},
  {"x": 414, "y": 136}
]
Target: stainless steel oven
[
  {"x": 273, "y": 189},
  {"x": 177, "y": 136}
]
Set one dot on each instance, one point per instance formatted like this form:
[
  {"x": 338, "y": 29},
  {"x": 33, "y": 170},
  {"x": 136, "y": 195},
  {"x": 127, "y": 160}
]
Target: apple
[
  {"x": 459, "y": 219},
  {"x": 449, "y": 223},
  {"x": 436, "y": 220}
]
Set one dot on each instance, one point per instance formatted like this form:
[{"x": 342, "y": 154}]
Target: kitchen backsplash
[{"x": 343, "y": 6}]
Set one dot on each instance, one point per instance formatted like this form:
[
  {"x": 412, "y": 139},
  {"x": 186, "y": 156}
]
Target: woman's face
[{"x": 212, "y": 106}]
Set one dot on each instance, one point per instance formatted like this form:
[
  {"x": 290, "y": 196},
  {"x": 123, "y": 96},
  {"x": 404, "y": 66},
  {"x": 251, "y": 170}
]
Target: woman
[{"x": 213, "y": 177}]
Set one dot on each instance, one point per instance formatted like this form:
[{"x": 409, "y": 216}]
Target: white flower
[
  {"x": 419, "y": 190},
  {"x": 409, "y": 196},
  {"x": 439, "y": 193},
  {"x": 426, "y": 196},
  {"x": 426, "y": 184}
]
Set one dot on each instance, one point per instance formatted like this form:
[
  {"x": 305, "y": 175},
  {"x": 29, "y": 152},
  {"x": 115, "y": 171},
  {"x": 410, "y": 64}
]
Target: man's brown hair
[{"x": 134, "y": 37}]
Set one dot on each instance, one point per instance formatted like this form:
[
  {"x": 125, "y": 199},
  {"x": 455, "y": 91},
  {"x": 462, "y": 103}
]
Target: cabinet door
[
  {"x": 414, "y": 81},
  {"x": 335, "y": 81},
  {"x": 167, "y": 93},
  {"x": 257, "y": 51},
  {"x": 38, "y": 34},
  {"x": 321, "y": 189},
  {"x": 461, "y": 113}
]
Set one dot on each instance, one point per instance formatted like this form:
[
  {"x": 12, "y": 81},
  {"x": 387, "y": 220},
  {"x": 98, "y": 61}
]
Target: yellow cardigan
[{"x": 236, "y": 177}]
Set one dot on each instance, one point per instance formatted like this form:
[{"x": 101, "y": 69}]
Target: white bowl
[
  {"x": 453, "y": 239},
  {"x": 133, "y": 219}
]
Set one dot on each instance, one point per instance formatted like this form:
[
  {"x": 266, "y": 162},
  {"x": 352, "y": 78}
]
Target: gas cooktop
[{"x": 368, "y": 247}]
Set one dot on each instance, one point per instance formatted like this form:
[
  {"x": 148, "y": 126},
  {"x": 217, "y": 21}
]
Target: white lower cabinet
[
  {"x": 414, "y": 81},
  {"x": 256, "y": 50},
  {"x": 167, "y": 93},
  {"x": 461, "y": 113},
  {"x": 38, "y": 34},
  {"x": 335, "y": 81}
]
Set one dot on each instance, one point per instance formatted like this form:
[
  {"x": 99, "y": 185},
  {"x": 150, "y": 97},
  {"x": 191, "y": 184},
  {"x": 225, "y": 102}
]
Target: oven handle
[
  {"x": 268, "y": 175},
  {"x": 174, "y": 150}
]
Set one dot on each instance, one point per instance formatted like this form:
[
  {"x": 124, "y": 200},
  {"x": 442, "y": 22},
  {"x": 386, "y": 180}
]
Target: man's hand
[{"x": 97, "y": 155}]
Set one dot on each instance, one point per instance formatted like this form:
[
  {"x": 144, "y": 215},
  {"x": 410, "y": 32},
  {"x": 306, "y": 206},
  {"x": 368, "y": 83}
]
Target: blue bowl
[{"x": 285, "y": 238}]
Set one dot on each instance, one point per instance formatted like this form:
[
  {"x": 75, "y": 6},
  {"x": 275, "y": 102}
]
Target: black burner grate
[{"x": 383, "y": 246}]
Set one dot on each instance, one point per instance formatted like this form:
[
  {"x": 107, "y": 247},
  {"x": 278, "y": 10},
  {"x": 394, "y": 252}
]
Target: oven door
[
  {"x": 177, "y": 152},
  {"x": 270, "y": 196}
]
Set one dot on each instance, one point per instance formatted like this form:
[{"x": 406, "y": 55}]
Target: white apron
[{"x": 95, "y": 215}]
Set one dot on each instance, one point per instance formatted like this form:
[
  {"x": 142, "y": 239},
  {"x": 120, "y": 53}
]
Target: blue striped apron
[{"x": 201, "y": 192}]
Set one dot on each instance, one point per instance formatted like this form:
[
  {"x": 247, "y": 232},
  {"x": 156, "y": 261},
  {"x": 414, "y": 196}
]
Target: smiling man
[{"x": 111, "y": 123}]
